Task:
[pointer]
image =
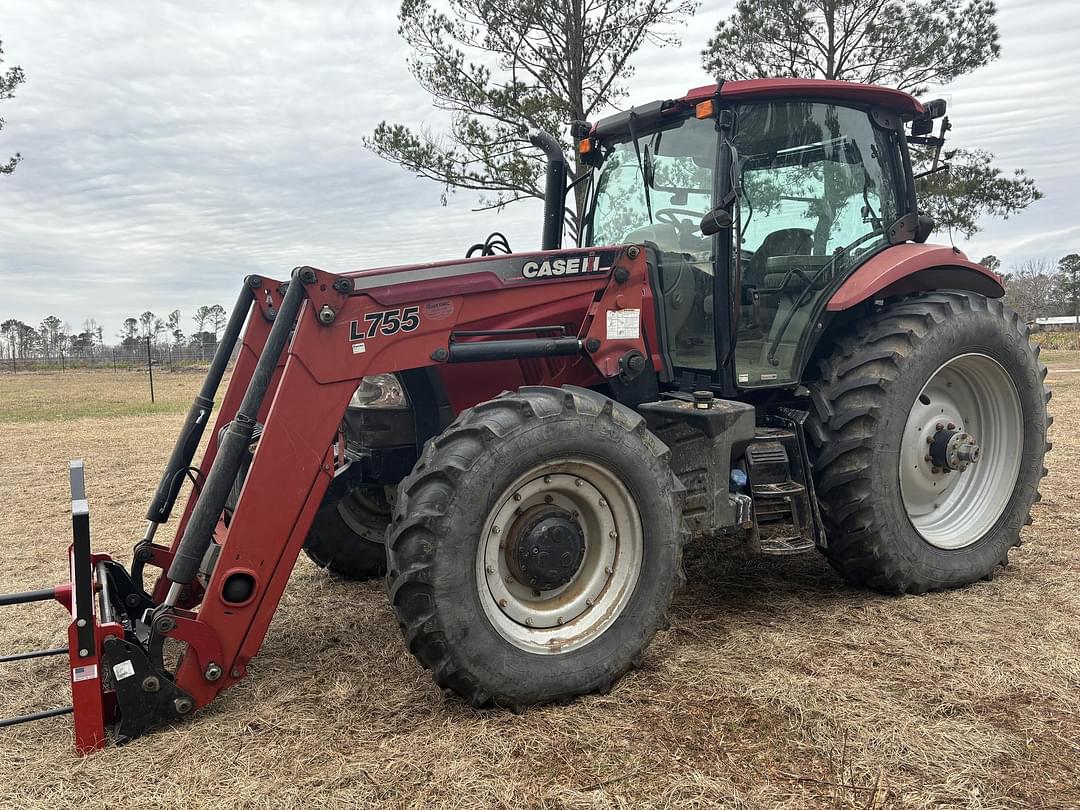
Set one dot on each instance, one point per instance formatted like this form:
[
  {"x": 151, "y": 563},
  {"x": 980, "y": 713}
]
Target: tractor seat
[
  {"x": 805, "y": 268},
  {"x": 784, "y": 242}
]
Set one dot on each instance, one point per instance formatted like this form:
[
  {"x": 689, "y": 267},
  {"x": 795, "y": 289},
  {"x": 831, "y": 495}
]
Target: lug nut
[
  {"x": 952, "y": 426},
  {"x": 939, "y": 426}
]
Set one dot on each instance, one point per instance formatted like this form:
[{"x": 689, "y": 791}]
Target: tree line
[
  {"x": 54, "y": 338},
  {"x": 1039, "y": 288}
]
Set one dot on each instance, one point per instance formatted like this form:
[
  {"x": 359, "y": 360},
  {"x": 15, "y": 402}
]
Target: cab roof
[{"x": 748, "y": 89}]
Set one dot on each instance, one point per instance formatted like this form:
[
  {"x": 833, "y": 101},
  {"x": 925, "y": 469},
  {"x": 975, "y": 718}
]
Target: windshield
[
  {"x": 820, "y": 189},
  {"x": 679, "y": 163}
]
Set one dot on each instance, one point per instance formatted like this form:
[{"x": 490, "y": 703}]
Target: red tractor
[{"x": 752, "y": 343}]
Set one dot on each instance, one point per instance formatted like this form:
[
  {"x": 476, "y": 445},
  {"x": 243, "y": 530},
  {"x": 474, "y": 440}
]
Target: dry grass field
[{"x": 778, "y": 685}]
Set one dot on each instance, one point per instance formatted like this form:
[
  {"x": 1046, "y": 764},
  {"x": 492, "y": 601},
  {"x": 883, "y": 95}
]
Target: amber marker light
[{"x": 705, "y": 109}]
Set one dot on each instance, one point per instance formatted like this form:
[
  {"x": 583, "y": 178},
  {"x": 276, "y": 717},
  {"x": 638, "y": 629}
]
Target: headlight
[{"x": 380, "y": 391}]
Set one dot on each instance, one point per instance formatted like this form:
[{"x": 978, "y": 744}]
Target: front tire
[
  {"x": 929, "y": 429},
  {"x": 535, "y": 547},
  {"x": 347, "y": 536}
]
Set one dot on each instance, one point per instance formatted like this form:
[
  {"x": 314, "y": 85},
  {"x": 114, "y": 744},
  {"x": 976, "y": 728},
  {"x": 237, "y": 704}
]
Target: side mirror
[{"x": 715, "y": 221}]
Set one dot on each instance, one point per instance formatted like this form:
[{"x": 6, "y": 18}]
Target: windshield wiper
[{"x": 641, "y": 166}]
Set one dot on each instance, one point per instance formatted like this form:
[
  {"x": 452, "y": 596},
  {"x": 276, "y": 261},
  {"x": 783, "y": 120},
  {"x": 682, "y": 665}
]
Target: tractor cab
[{"x": 759, "y": 200}]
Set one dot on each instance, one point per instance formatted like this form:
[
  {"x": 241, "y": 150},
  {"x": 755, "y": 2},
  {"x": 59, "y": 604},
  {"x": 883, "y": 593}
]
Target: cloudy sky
[{"x": 170, "y": 148}]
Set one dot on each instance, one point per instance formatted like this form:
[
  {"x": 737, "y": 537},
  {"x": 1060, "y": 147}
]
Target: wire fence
[{"x": 116, "y": 358}]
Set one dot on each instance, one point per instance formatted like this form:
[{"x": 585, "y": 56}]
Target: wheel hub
[
  {"x": 547, "y": 549},
  {"x": 953, "y": 450}
]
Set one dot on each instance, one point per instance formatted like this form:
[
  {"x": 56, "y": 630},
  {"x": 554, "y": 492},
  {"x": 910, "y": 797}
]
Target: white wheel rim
[
  {"x": 952, "y": 509},
  {"x": 575, "y": 614}
]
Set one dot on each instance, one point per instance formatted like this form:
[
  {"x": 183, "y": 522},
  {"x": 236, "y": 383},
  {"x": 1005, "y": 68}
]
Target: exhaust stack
[{"x": 554, "y": 189}]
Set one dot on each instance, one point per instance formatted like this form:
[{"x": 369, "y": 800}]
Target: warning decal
[{"x": 623, "y": 324}]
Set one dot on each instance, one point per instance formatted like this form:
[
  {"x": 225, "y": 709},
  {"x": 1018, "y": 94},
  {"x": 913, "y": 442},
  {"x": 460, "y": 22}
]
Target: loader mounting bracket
[{"x": 146, "y": 696}]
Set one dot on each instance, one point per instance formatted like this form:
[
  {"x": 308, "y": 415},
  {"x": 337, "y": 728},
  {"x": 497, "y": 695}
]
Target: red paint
[
  {"x": 899, "y": 262},
  {"x": 755, "y": 89}
]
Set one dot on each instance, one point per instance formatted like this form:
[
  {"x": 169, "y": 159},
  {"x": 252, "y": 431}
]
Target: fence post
[{"x": 150, "y": 368}]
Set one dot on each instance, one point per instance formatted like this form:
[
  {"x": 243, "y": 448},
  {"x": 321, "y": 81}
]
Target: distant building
[{"x": 1058, "y": 323}]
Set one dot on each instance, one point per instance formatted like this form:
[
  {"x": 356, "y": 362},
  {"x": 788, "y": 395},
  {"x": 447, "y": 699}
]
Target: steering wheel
[{"x": 678, "y": 217}]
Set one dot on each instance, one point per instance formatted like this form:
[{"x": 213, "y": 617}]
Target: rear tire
[
  {"x": 465, "y": 606},
  {"x": 347, "y": 536},
  {"x": 894, "y": 521}
]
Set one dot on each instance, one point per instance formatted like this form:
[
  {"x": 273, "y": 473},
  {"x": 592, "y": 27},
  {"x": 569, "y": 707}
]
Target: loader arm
[{"x": 588, "y": 315}]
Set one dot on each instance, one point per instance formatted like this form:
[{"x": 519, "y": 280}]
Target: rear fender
[{"x": 909, "y": 268}]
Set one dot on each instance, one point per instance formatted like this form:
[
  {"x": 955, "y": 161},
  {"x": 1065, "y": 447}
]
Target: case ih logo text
[{"x": 561, "y": 267}]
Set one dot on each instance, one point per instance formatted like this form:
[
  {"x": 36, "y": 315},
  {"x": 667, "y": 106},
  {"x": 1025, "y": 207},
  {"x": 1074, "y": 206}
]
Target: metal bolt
[
  {"x": 327, "y": 314},
  {"x": 495, "y": 529},
  {"x": 213, "y": 672},
  {"x": 517, "y": 496},
  {"x": 633, "y": 251},
  {"x": 929, "y": 439},
  {"x": 151, "y": 683},
  {"x": 81, "y": 623},
  {"x": 83, "y": 653},
  {"x": 559, "y": 620},
  {"x": 613, "y": 535},
  {"x": 235, "y": 673},
  {"x": 588, "y": 602},
  {"x": 548, "y": 499},
  {"x": 528, "y": 620},
  {"x": 577, "y": 482},
  {"x": 603, "y": 502},
  {"x": 164, "y": 624},
  {"x": 927, "y": 457},
  {"x": 132, "y": 600},
  {"x": 547, "y": 479},
  {"x": 182, "y": 705},
  {"x": 490, "y": 569},
  {"x": 952, "y": 426},
  {"x": 510, "y": 578},
  {"x": 935, "y": 470},
  {"x": 502, "y": 603},
  {"x": 939, "y": 426},
  {"x": 607, "y": 570}
]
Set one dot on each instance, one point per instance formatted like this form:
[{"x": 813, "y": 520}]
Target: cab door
[{"x": 819, "y": 190}]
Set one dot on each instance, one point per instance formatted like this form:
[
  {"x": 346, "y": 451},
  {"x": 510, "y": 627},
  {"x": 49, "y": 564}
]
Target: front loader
[{"x": 752, "y": 343}]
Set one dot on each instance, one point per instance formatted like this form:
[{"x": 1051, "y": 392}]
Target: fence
[{"x": 115, "y": 358}]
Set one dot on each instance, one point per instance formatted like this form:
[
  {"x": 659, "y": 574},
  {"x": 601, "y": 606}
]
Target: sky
[{"x": 171, "y": 148}]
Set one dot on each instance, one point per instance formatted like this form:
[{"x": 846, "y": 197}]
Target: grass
[
  {"x": 48, "y": 396},
  {"x": 777, "y": 686}
]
